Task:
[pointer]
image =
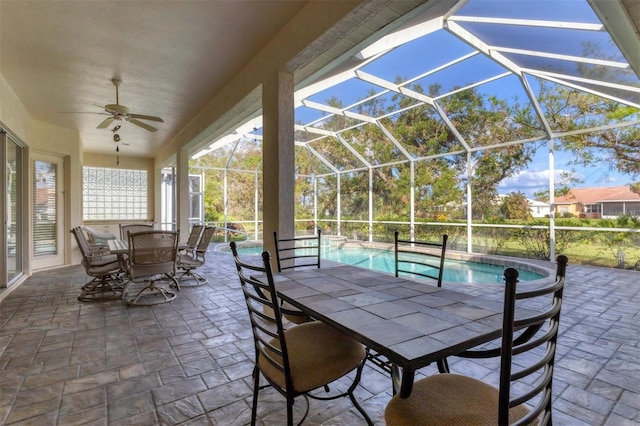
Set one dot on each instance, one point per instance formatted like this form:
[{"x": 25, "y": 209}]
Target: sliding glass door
[{"x": 11, "y": 264}]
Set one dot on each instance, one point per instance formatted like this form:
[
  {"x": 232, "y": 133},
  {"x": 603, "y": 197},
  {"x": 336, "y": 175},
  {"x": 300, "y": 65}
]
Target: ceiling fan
[{"x": 120, "y": 112}]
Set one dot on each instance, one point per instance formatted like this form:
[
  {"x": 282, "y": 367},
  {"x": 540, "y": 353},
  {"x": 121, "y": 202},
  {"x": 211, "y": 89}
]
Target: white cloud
[{"x": 529, "y": 181}]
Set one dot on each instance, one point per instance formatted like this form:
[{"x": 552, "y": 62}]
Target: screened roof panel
[
  {"x": 219, "y": 157},
  {"x": 569, "y": 11},
  {"x": 372, "y": 145},
  {"x": 336, "y": 123},
  {"x": 305, "y": 136},
  {"x": 486, "y": 120},
  {"x": 564, "y": 116},
  {"x": 415, "y": 57},
  {"x": 346, "y": 93},
  {"x": 574, "y": 42},
  {"x": 461, "y": 83},
  {"x": 575, "y": 68},
  {"x": 333, "y": 151},
  {"x": 421, "y": 132},
  {"x": 243, "y": 157},
  {"x": 305, "y": 115},
  {"x": 383, "y": 104},
  {"x": 626, "y": 95},
  {"x": 308, "y": 164},
  {"x": 470, "y": 71}
]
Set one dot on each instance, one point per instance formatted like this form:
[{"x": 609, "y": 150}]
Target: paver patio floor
[{"x": 189, "y": 362}]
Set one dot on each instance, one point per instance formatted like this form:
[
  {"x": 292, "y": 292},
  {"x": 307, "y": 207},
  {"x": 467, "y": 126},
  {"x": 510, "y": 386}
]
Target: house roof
[
  {"x": 598, "y": 195},
  {"x": 536, "y": 203}
]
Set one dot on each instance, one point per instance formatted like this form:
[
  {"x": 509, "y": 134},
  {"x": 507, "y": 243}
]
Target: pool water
[{"x": 383, "y": 260}]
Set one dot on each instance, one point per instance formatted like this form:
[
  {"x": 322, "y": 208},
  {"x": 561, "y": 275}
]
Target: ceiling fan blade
[
  {"x": 141, "y": 124},
  {"x": 105, "y": 123},
  {"x": 147, "y": 117},
  {"x": 82, "y": 112}
]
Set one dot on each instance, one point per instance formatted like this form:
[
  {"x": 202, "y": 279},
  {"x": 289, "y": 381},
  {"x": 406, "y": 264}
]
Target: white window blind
[{"x": 44, "y": 208}]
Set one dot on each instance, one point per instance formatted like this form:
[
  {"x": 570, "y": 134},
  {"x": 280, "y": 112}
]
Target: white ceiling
[{"x": 171, "y": 56}]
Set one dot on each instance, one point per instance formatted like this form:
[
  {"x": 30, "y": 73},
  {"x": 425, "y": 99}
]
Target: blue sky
[{"x": 536, "y": 178}]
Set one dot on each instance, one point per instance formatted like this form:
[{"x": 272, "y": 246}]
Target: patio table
[
  {"x": 411, "y": 323},
  {"x": 119, "y": 247}
]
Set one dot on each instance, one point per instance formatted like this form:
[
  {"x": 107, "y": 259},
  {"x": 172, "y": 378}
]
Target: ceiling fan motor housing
[{"x": 117, "y": 109}]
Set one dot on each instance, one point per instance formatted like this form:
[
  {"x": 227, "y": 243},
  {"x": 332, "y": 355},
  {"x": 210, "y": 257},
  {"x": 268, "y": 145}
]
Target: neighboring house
[
  {"x": 607, "y": 202},
  {"x": 539, "y": 208}
]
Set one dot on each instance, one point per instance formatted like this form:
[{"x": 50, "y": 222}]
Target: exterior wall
[
  {"x": 540, "y": 211},
  {"x": 575, "y": 209},
  {"x": 12, "y": 113},
  {"x": 45, "y": 138}
]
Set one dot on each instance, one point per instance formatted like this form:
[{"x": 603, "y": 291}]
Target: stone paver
[{"x": 190, "y": 361}]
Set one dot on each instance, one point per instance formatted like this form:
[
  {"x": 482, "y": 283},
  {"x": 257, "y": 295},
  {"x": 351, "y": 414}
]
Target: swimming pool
[{"x": 462, "y": 271}]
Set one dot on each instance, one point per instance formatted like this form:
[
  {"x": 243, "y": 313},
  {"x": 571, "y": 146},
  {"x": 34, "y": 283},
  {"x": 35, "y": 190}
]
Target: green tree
[
  {"x": 515, "y": 206},
  {"x": 570, "y": 109}
]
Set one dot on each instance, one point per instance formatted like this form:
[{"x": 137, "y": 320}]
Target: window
[
  {"x": 45, "y": 208},
  {"x": 592, "y": 208},
  {"x": 196, "y": 199},
  {"x": 114, "y": 194}
]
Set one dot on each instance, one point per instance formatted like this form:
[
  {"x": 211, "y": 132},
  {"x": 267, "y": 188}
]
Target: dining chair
[
  {"x": 126, "y": 228},
  {"x": 297, "y": 253},
  {"x": 105, "y": 268},
  {"x": 191, "y": 260},
  {"x": 420, "y": 259},
  {"x": 524, "y": 394},
  {"x": 298, "y": 360},
  {"x": 151, "y": 260}
]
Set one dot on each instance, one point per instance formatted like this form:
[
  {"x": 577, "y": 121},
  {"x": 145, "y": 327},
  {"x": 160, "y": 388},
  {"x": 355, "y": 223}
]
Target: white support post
[
  {"x": 256, "y": 222},
  {"x": 370, "y": 204},
  {"x": 469, "y": 204},
  {"x": 315, "y": 203},
  {"x": 226, "y": 201},
  {"x": 412, "y": 188},
  {"x": 552, "y": 202},
  {"x": 339, "y": 207}
]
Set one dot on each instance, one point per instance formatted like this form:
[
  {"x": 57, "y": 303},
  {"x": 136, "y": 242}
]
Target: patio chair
[
  {"x": 96, "y": 237},
  {"x": 192, "y": 241},
  {"x": 151, "y": 260},
  {"x": 298, "y": 360},
  {"x": 526, "y": 371},
  {"x": 106, "y": 270},
  {"x": 126, "y": 228},
  {"x": 193, "y": 259},
  {"x": 296, "y": 253}
]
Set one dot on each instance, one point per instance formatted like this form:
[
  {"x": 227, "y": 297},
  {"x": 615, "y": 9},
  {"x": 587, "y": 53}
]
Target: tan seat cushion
[
  {"x": 293, "y": 314},
  {"x": 448, "y": 399},
  {"x": 318, "y": 354}
]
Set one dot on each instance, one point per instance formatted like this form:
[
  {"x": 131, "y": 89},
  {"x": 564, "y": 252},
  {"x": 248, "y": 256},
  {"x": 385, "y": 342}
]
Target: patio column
[
  {"x": 278, "y": 158},
  {"x": 182, "y": 194}
]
